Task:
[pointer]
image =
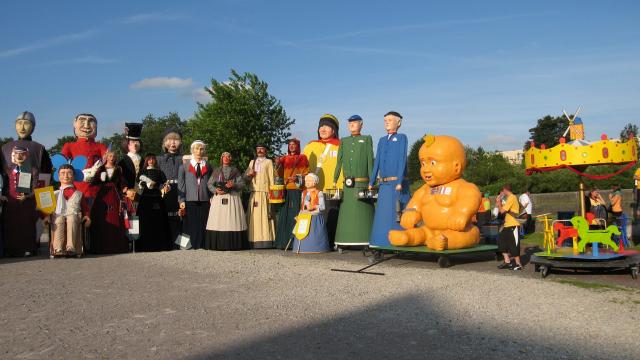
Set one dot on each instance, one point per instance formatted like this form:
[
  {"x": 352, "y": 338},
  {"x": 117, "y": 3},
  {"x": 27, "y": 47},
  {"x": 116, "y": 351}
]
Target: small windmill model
[{"x": 576, "y": 127}]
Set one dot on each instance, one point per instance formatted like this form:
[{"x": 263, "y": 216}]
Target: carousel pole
[{"x": 581, "y": 195}]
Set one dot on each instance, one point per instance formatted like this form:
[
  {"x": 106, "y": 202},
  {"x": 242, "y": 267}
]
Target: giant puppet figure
[
  {"x": 85, "y": 127},
  {"x": 445, "y": 203},
  {"x": 391, "y": 167},
  {"x": 71, "y": 212},
  {"x": 194, "y": 195},
  {"x": 38, "y": 156},
  {"x": 292, "y": 168},
  {"x": 20, "y": 211},
  {"x": 169, "y": 162},
  {"x": 131, "y": 163},
  {"x": 261, "y": 229},
  {"x": 323, "y": 159},
  {"x": 355, "y": 162}
]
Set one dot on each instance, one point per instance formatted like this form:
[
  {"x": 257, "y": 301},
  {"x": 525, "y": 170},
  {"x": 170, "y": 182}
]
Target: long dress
[
  {"x": 107, "y": 222},
  {"x": 261, "y": 227},
  {"x": 227, "y": 224},
  {"x": 323, "y": 159},
  {"x": 20, "y": 218},
  {"x": 317, "y": 240},
  {"x": 291, "y": 165},
  {"x": 355, "y": 162},
  {"x": 193, "y": 191},
  {"x": 154, "y": 223},
  {"x": 391, "y": 165}
]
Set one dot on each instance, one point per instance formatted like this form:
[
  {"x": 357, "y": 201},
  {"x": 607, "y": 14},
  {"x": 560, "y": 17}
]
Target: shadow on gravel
[{"x": 408, "y": 327}]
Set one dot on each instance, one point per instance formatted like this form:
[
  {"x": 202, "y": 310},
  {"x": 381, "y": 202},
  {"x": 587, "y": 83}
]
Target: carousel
[{"x": 595, "y": 244}]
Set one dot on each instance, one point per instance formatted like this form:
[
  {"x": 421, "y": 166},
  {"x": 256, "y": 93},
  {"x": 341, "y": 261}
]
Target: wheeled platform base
[
  {"x": 378, "y": 255},
  {"x": 544, "y": 265}
]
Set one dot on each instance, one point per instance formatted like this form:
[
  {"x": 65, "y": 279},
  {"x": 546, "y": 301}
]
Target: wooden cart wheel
[
  {"x": 544, "y": 271},
  {"x": 443, "y": 261}
]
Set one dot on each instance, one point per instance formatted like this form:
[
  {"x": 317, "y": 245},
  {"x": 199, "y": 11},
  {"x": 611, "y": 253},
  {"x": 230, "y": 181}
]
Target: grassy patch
[
  {"x": 533, "y": 239},
  {"x": 593, "y": 285}
]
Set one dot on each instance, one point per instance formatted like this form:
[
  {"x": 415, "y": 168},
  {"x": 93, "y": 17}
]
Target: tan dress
[{"x": 260, "y": 225}]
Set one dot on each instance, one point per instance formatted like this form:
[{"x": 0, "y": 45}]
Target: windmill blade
[
  {"x": 577, "y": 112},
  {"x": 568, "y": 127}
]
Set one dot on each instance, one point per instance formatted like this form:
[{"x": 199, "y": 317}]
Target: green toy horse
[{"x": 594, "y": 236}]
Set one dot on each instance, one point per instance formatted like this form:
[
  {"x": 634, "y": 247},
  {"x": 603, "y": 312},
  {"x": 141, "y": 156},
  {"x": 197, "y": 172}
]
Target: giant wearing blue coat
[{"x": 391, "y": 166}]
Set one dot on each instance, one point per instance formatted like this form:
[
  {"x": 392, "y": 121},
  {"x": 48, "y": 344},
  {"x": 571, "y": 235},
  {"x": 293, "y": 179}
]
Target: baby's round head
[{"x": 442, "y": 159}]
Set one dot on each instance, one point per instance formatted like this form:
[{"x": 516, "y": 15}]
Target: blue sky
[{"x": 480, "y": 70}]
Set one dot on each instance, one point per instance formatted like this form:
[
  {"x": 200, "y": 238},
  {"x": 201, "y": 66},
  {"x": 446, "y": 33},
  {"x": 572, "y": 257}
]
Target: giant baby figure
[{"x": 445, "y": 203}]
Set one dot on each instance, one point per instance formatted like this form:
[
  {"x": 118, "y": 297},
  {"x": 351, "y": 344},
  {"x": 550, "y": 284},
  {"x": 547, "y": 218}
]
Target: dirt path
[{"x": 263, "y": 304}]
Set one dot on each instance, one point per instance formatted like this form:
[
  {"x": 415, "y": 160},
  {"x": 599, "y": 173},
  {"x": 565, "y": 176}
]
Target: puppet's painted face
[
  {"x": 391, "y": 123},
  {"x": 85, "y": 127},
  {"x": 442, "y": 161},
  {"x": 326, "y": 132},
  {"x": 198, "y": 152},
  {"x": 172, "y": 142},
  {"x": 24, "y": 128},
  {"x": 226, "y": 160},
  {"x": 152, "y": 162},
  {"x": 133, "y": 146},
  {"x": 19, "y": 157},
  {"x": 260, "y": 151},
  {"x": 355, "y": 127},
  {"x": 294, "y": 148},
  {"x": 310, "y": 182},
  {"x": 65, "y": 176},
  {"x": 110, "y": 158}
]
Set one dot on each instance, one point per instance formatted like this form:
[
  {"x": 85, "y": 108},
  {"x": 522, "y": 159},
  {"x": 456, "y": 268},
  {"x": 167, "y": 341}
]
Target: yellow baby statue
[{"x": 445, "y": 204}]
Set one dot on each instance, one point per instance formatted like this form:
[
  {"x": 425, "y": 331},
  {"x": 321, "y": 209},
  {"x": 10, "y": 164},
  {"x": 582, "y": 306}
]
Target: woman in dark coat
[
  {"x": 154, "y": 222},
  {"x": 107, "y": 221}
]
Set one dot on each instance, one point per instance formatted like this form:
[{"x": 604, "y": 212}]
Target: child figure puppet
[
  {"x": 317, "y": 240},
  {"x": 71, "y": 211},
  {"x": 446, "y": 203}
]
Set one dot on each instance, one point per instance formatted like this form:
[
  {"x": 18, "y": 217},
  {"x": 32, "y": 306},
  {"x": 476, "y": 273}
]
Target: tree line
[{"x": 242, "y": 113}]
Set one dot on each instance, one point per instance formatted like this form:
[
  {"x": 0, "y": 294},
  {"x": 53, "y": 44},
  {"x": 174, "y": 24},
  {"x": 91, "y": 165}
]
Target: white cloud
[
  {"x": 46, "y": 43},
  {"x": 200, "y": 95},
  {"x": 162, "y": 82}
]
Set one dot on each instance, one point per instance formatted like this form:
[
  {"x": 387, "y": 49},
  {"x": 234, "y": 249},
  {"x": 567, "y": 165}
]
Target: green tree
[
  {"x": 57, "y": 148},
  {"x": 5, "y": 140},
  {"x": 241, "y": 114},
  {"x": 548, "y": 131},
  {"x": 153, "y": 129},
  {"x": 628, "y": 130},
  {"x": 413, "y": 162},
  {"x": 116, "y": 141}
]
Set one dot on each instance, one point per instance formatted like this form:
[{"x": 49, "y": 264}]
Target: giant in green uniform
[{"x": 355, "y": 161}]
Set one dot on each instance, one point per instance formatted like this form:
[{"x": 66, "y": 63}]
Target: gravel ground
[{"x": 270, "y": 305}]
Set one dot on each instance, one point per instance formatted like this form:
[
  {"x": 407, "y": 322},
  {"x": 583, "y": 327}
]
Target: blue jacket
[{"x": 391, "y": 159}]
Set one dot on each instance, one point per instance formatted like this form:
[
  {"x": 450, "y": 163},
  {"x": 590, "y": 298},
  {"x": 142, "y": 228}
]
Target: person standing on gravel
[{"x": 508, "y": 242}]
